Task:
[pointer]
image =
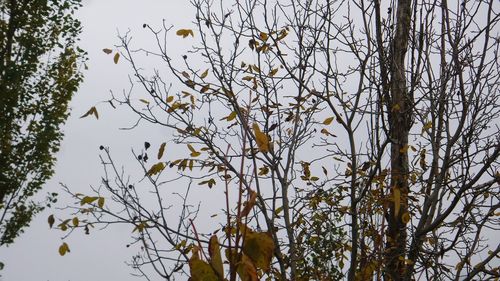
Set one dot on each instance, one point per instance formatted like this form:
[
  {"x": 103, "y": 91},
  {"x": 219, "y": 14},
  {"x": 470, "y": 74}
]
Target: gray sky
[{"x": 101, "y": 255}]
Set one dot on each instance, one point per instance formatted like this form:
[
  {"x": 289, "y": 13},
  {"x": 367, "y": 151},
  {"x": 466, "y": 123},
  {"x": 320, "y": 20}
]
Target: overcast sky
[{"x": 101, "y": 256}]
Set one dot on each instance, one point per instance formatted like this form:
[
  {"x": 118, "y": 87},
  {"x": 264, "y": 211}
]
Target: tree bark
[{"x": 400, "y": 121}]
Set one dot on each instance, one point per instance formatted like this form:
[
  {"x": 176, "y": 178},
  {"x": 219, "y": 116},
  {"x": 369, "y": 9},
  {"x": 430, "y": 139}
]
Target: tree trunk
[{"x": 400, "y": 121}]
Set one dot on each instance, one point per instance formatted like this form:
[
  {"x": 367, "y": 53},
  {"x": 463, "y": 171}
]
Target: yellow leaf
[
  {"x": 273, "y": 72},
  {"x": 185, "y": 74},
  {"x": 200, "y": 270},
  {"x": 107, "y": 51},
  {"x": 328, "y": 121},
  {"x": 215, "y": 256},
  {"x": 161, "y": 150},
  {"x": 116, "y": 58},
  {"x": 261, "y": 139},
  {"x": 259, "y": 246},
  {"x": 396, "y": 193},
  {"x": 255, "y": 68},
  {"x": 63, "y": 249},
  {"x": 246, "y": 269},
  {"x": 404, "y": 149},
  {"x": 51, "y": 220},
  {"x": 87, "y": 200},
  {"x": 366, "y": 273},
  {"x": 210, "y": 182},
  {"x": 185, "y": 32},
  {"x": 140, "y": 227},
  {"x": 283, "y": 34},
  {"x": 426, "y": 127},
  {"x": 76, "y": 222},
  {"x": 100, "y": 202},
  {"x": 231, "y": 116},
  {"x": 144, "y": 101},
  {"x": 170, "y": 99},
  {"x": 263, "y": 36},
  {"x": 405, "y": 218},
  {"x": 205, "y": 88},
  {"x": 249, "y": 204},
  {"x": 204, "y": 74},
  {"x": 195, "y": 154},
  {"x": 263, "y": 171},
  {"x": 155, "y": 169},
  {"x": 191, "y": 148}
]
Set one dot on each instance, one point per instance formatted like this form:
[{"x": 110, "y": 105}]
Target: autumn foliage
[{"x": 312, "y": 140}]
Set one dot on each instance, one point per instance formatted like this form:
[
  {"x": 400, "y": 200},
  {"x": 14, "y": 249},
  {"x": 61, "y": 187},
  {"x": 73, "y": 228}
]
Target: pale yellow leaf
[
  {"x": 204, "y": 74},
  {"x": 396, "y": 193}
]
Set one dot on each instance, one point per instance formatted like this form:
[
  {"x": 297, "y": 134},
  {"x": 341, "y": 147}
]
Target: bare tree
[{"x": 359, "y": 136}]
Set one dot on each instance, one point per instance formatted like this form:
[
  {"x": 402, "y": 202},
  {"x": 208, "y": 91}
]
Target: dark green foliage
[{"x": 39, "y": 73}]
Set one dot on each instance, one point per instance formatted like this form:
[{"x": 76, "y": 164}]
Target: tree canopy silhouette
[{"x": 39, "y": 73}]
